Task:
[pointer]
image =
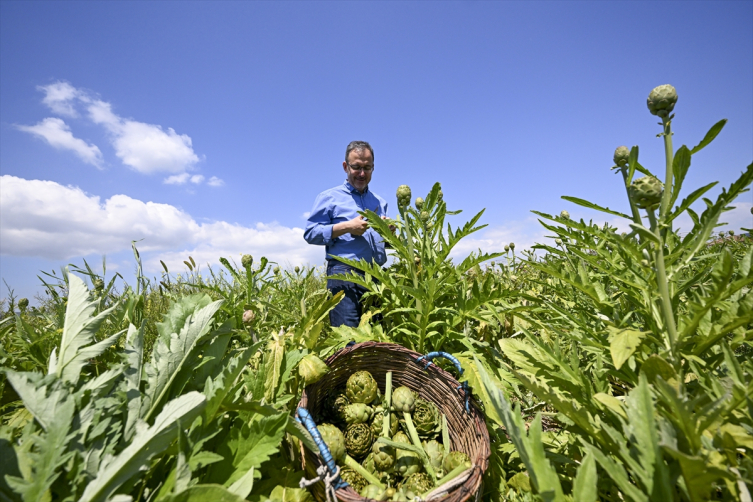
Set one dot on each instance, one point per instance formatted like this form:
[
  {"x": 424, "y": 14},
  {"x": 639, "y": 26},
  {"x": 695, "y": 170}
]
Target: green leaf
[
  {"x": 623, "y": 343},
  {"x": 584, "y": 485},
  {"x": 713, "y": 132},
  {"x": 147, "y": 442},
  {"x": 680, "y": 166},
  {"x": 261, "y": 440},
  {"x": 133, "y": 356},
  {"x": 645, "y": 232},
  {"x": 591, "y": 205},
  {"x": 273, "y": 360},
  {"x": 698, "y": 474},
  {"x": 203, "y": 493}
]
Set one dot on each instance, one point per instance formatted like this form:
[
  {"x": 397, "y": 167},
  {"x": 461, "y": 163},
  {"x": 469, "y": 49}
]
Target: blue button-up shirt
[{"x": 339, "y": 204}]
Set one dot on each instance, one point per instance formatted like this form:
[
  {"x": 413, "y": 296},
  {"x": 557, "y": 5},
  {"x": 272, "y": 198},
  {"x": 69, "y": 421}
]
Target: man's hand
[
  {"x": 392, "y": 227},
  {"x": 356, "y": 226}
]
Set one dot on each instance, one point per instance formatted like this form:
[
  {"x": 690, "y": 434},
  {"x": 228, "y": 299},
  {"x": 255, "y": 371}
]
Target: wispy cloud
[
  {"x": 45, "y": 219},
  {"x": 214, "y": 181},
  {"x": 183, "y": 178},
  {"x": 58, "y": 134},
  {"x": 60, "y": 97}
]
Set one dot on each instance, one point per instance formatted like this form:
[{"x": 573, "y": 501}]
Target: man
[{"x": 335, "y": 223}]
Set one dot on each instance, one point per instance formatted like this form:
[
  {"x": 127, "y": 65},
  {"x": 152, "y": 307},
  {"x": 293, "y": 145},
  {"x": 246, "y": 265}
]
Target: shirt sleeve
[{"x": 319, "y": 225}]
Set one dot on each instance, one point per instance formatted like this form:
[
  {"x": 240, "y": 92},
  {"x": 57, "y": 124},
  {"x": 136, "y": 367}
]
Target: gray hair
[{"x": 358, "y": 145}]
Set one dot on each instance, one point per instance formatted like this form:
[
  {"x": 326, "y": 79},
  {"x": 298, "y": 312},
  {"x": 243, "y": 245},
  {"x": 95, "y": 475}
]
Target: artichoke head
[
  {"x": 249, "y": 316},
  {"x": 435, "y": 451},
  {"x": 384, "y": 457},
  {"x": 354, "y": 479},
  {"x": 361, "y": 388},
  {"x": 23, "y": 303},
  {"x": 565, "y": 215},
  {"x": 646, "y": 192},
  {"x": 558, "y": 242},
  {"x": 311, "y": 368},
  {"x": 661, "y": 101},
  {"x": 426, "y": 418},
  {"x": 406, "y": 462},
  {"x": 247, "y": 260},
  {"x": 99, "y": 284},
  {"x": 372, "y": 492},
  {"x": 418, "y": 483},
  {"x": 335, "y": 441},
  {"x": 335, "y": 405},
  {"x": 297, "y": 269},
  {"x": 621, "y": 156},
  {"x": 403, "y": 196},
  {"x": 378, "y": 421},
  {"x": 358, "y": 440},
  {"x": 512, "y": 246},
  {"x": 358, "y": 413},
  {"x": 419, "y": 203},
  {"x": 507, "y": 248},
  {"x": 454, "y": 459},
  {"x": 403, "y": 399},
  {"x": 368, "y": 463}
]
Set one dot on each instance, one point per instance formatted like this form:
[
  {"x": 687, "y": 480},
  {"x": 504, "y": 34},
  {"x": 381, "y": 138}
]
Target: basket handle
[
  {"x": 307, "y": 420},
  {"x": 466, "y": 390}
]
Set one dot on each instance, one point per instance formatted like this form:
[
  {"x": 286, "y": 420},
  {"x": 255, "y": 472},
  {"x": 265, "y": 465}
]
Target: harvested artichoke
[
  {"x": 358, "y": 440},
  {"x": 403, "y": 399},
  {"x": 426, "y": 418},
  {"x": 454, "y": 459},
  {"x": 334, "y": 440},
  {"x": 353, "y": 479},
  {"x": 361, "y": 388},
  {"x": 418, "y": 483},
  {"x": 406, "y": 462},
  {"x": 358, "y": 413}
]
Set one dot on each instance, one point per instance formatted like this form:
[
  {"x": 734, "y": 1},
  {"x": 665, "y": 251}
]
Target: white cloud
[
  {"x": 49, "y": 220},
  {"x": 57, "y": 133},
  {"x": 183, "y": 178},
  {"x": 145, "y": 147},
  {"x": 306, "y": 215},
  {"x": 59, "y": 97},
  {"x": 214, "y": 181}
]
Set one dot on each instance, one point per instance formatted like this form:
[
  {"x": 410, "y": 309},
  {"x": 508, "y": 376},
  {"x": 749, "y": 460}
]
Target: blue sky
[{"x": 207, "y": 128}]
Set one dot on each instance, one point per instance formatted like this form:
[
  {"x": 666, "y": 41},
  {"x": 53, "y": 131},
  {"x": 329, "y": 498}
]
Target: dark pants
[{"x": 348, "y": 311}]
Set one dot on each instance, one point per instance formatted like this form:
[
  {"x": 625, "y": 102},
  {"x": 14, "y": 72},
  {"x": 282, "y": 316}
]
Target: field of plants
[{"x": 609, "y": 365}]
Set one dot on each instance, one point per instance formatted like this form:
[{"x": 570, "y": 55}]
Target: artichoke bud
[
  {"x": 512, "y": 246},
  {"x": 565, "y": 215},
  {"x": 378, "y": 421},
  {"x": 406, "y": 462},
  {"x": 426, "y": 418},
  {"x": 361, "y": 388},
  {"x": 621, "y": 156},
  {"x": 645, "y": 263},
  {"x": 249, "y": 316},
  {"x": 384, "y": 457},
  {"x": 372, "y": 492},
  {"x": 403, "y": 399},
  {"x": 358, "y": 440},
  {"x": 661, "y": 101},
  {"x": 403, "y": 196},
  {"x": 247, "y": 260},
  {"x": 358, "y": 413},
  {"x": 507, "y": 248},
  {"x": 647, "y": 192},
  {"x": 312, "y": 369},
  {"x": 276, "y": 270},
  {"x": 334, "y": 439},
  {"x": 558, "y": 242},
  {"x": 99, "y": 284},
  {"x": 435, "y": 451},
  {"x": 731, "y": 233},
  {"x": 297, "y": 269},
  {"x": 440, "y": 196},
  {"x": 417, "y": 260},
  {"x": 353, "y": 478},
  {"x": 419, "y": 203},
  {"x": 335, "y": 407},
  {"x": 23, "y": 303},
  {"x": 454, "y": 459}
]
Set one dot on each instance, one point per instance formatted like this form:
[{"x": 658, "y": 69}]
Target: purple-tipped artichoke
[
  {"x": 378, "y": 421},
  {"x": 311, "y": 368},
  {"x": 418, "y": 483},
  {"x": 358, "y": 440},
  {"x": 384, "y": 457},
  {"x": 247, "y": 260},
  {"x": 647, "y": 192},
  {"x": 406, "y": 462},
  {"x": 361, "y": 388},
  {"x": 661, "y": 101},
  {"x": 426, "y": 418},
  {"x": 454, "y": 459},
  {"x": 621, "y": 156},
  {"x": 358, "y": 413},
  {"x": 403, "y": 400},
  {"x": 354, "y": 479},
  {"x": 334, "y": 439},
  {"x": 403, "y": 196}
]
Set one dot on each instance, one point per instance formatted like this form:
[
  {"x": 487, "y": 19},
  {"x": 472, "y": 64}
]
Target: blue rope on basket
[
  {"x": 432, "y": 355},
  {"x": 333, "y": 480}
]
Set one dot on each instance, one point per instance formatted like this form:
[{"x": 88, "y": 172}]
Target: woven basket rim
[{"x": 473, "y": 483}]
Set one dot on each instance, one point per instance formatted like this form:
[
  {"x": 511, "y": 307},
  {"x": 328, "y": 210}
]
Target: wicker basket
[{"x": 467, "y": 431}]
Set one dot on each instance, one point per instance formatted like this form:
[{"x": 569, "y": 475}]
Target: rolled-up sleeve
[{"x": 319, "y": 225}]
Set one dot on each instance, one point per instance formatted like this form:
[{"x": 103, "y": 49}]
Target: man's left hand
[{"x": 392, "y": 227}]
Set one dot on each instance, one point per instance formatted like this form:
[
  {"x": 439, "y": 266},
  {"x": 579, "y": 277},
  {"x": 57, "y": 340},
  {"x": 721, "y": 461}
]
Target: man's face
[{"x": 359, "y": 178}]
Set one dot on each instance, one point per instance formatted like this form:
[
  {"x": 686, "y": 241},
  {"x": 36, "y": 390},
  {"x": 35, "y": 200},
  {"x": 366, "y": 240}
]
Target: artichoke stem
[
  {"x": 661, "y": 280},
  {"x": 412, "y": 267},
  {"x": 350, "y": 462},
  {"x": 457, "y": 471},
  {"x": 388, "y": 408},
  {"x": 417, "y": 443},
  {"x": 633, "y": 207},
  {"x": 445, "y": 434},
  {"x": 668, "y": 188}
]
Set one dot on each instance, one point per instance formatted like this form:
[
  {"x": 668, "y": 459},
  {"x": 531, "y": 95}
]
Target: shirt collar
[{"x": 350, "y": 188}]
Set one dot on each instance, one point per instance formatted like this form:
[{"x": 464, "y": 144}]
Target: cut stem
[
  {"x": 388, "y": 408},
  {"x": 350, "y": 462},
  {"x": 417, "y": 443},
  {"x": 457, "y": 471}
]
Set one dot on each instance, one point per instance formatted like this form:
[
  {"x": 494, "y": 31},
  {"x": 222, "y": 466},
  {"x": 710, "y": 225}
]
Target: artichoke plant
[
  {"x": 358, "y": 440},
  {"x": 354, "y": 479},
  {"x": 403, "y": 196},
  {"x": 378, "y": 420},
  {"x": 406, "y": 462},
  {"x": 358, "y": 413},
  {"x": 454, "y": 459},
  {"x": 435, "y": 451},
  {"x": 311, "y": 368},
  {"x": 661, "y": 101},
  {"x": 361, "y": 388},
  {"x": 426, "y": 418},
  {"x": 403, "y": 399},
  {"x": 247, "y": 260},
  {"x": 334, "y": 439},
  {"x": 418, "y": 483},
  {"x": 646, "y": 192},
  {"x": 621, "y": 156}
]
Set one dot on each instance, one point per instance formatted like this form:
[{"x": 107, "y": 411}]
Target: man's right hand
[{"x": 356, "y": 226}]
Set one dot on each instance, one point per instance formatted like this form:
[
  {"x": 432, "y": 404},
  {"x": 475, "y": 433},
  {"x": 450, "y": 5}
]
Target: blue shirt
[{"x": 339, "y": 204}]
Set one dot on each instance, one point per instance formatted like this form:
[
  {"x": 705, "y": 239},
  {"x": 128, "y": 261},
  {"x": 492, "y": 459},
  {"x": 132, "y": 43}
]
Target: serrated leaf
[
  {"x": 204, "y": 493},
  {"x": 262, "y": 441},
  {"x": 584, "y": 485},
  {"x": 273, "y": 361},
  {"x": 623, "y": 343}
]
